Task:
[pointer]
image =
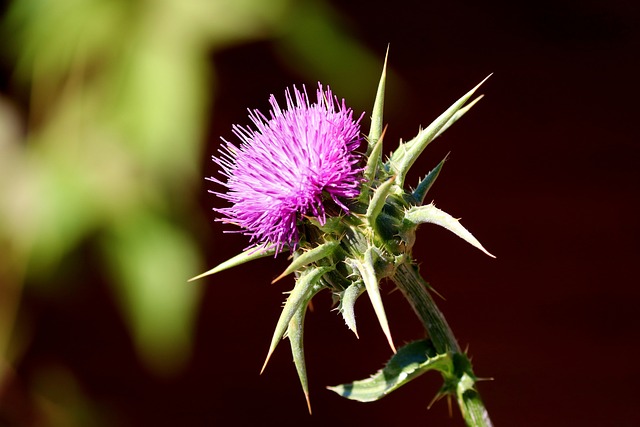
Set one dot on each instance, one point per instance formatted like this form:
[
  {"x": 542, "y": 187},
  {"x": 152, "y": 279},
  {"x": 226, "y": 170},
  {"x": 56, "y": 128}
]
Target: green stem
[{"x": 462, "y": 382}]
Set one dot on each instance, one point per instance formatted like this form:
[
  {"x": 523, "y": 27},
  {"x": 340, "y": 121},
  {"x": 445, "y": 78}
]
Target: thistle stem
[{"x": 414, "y": 288}]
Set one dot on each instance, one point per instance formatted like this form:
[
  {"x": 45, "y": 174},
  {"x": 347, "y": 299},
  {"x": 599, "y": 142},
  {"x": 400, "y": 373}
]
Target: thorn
[
  {"x": 199, "y": 276},
  {"x": 437, "y": 397},
  {"x": 392, "y": 291},
  {"x": 266, "y": 361},
  {"x": 393, "y": 347},
  {"x": 306, "y": 396},
  {"x": 278, "y": 278},
  {"x": 432, "y": 289},
  {"x": 383, "y": 132}
]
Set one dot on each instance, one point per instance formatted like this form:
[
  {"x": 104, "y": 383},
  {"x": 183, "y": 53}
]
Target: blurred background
[{"x": 110, "y": 111}]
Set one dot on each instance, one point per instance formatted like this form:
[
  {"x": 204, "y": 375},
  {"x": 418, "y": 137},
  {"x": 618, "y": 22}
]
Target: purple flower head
[{"x": 285, "y": 169}]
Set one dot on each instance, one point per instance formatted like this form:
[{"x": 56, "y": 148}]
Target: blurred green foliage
[{"x": 119, "y": 94}]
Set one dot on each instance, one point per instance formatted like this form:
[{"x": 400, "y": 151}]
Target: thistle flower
[
  {"x": 290, "y": 166},
  {"x": 296, "y": 165}
]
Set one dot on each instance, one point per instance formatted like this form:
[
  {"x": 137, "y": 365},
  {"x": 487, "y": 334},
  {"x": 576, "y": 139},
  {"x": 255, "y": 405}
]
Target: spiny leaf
[
  {"x": 368, "y": 274},
  {"x": 239, "y": 259},
  {"x": 403, "y": 158},
  {"x": 378, "y": 107},
  {"x": 370, "y": 170},
  {"x": 295, "y": 333},
  {"x": 425, "y": 185},
  {"x": 377, "y": 202},
  {"x": 461, "y": 112},
  {"x": 306, "y": 285},
  {"x": 309, "y": 257},
  {"x": 430, "y": 214},
  {"x": 411, "y": 361},
  {"x": 332, "y": 225},
  {"x": 347, "y": 302}
]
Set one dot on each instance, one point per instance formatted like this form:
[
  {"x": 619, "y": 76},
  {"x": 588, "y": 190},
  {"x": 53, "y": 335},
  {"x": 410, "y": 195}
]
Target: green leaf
[
  {"x": 370, "y": 170},
  {"x": 406, "y": 154},
  {"x": 411, "y": 361},
  {"x": 309, "y": 257},
  {"x": 332, "y": 225},
  {"x": 295, "y": 333},
  {"x": 239, "y": 259},
  {"x": 377, "y": 202},
  {"x": 347, "y": 302},
  {"x": 430, "y": 214},
  {"x": 306, "y": 285},
  {"x": 461, "y": 112},
  {"x": 425, "y": 185},
  {"x": 367, "y": 272},
  {"x": 375, "y": 134}
]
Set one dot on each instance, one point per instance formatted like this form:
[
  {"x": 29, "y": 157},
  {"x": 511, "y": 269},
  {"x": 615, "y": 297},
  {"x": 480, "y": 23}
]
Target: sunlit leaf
[{"x": 410, "y": 361}]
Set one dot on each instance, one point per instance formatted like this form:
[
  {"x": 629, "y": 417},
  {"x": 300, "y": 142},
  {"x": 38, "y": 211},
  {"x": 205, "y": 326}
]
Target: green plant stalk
[{"x": 461, "y": 381}]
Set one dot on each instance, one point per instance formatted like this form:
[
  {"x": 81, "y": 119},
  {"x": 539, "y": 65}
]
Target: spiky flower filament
[{"x": 295, "y": 163}]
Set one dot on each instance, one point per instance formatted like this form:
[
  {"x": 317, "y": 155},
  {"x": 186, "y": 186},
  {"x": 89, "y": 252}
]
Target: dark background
[{"x": 544, "y": 171}]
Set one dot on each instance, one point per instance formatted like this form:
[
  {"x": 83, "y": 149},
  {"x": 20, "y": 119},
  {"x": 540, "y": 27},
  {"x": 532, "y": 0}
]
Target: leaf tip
[
  {"x": 386, "y": 57},
  {"x": 484, "y": 80},
  {"x": 278, "y": 278},
  {"x": 393, "y": 347},
  {"x": 306, "y": 396},
  {"x": 199, "y": 276},
  {"x": 266, "y": 360}
]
